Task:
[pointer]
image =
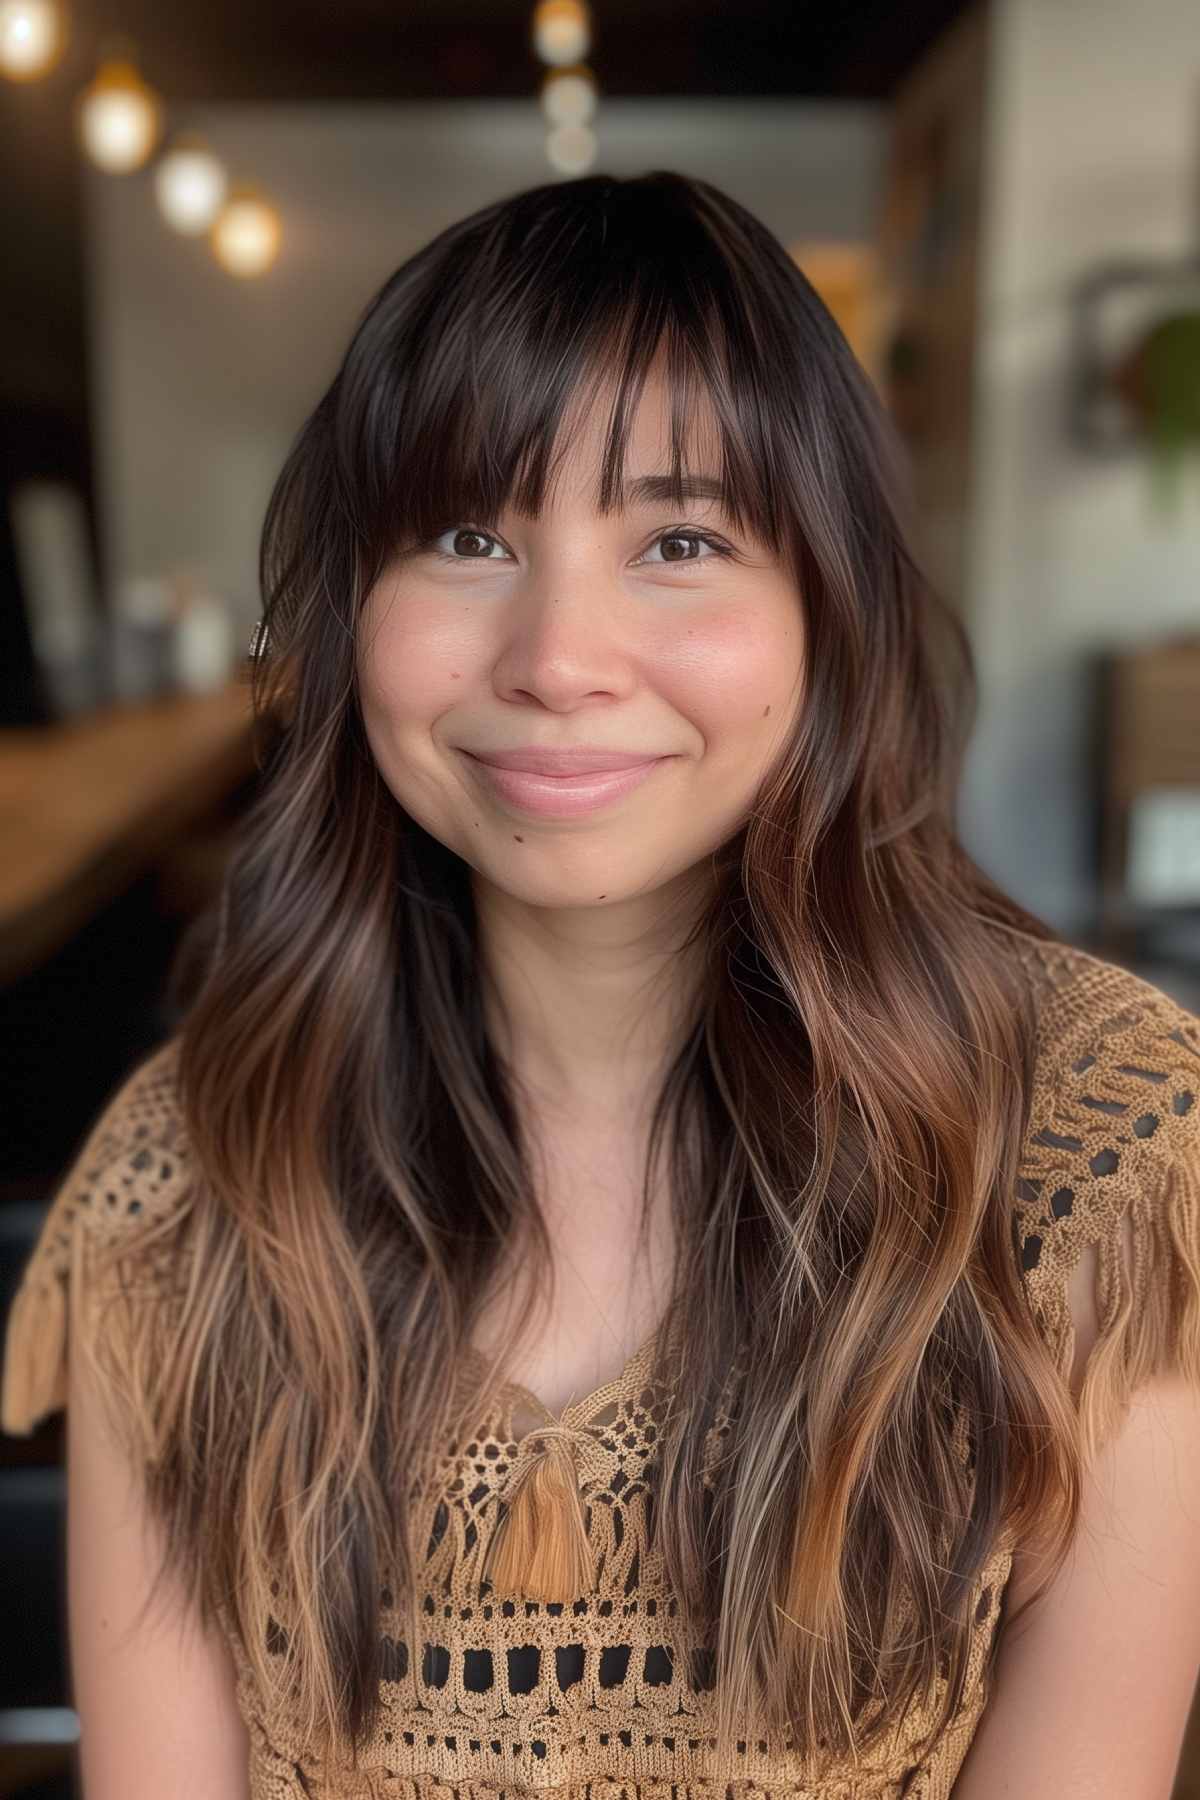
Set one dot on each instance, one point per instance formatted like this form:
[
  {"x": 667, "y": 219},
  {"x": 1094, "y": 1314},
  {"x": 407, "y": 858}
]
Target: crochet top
[{"x": 597, "y": 1699}]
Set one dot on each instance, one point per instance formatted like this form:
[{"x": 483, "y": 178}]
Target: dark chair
[{"x": 38, "y": 1726}]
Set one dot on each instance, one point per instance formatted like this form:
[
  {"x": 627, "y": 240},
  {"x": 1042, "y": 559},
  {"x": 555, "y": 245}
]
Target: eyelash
[{"x": 717, "y": 545}]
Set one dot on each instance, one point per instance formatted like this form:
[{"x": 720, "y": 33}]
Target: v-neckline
[{"x": 575, "y": 1412}]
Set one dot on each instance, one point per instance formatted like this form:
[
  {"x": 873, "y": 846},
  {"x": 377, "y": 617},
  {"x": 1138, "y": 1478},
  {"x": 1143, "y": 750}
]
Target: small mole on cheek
[
  {"x": 601, "y": 896},
  {"x": 454, "y": 675},
  {"x": 768, "y": 710},
  {"x": 518, "y": 838}
]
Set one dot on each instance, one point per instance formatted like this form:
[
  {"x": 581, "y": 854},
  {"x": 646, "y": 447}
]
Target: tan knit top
[{"x": 598, "y": 1699}]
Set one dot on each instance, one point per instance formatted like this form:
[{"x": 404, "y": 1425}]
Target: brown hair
[{"x": 842, "y": 1118}]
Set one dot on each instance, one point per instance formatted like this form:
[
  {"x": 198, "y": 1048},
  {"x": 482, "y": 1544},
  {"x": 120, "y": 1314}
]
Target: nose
[{"x": 566, "y": 638}]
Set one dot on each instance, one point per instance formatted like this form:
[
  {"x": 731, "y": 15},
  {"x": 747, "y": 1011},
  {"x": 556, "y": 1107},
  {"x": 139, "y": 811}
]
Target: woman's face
[{"x": 649, "y": 632}]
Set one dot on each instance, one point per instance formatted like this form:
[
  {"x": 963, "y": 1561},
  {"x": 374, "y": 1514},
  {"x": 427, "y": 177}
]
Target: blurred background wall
[{"x": 1092, "y": 153}]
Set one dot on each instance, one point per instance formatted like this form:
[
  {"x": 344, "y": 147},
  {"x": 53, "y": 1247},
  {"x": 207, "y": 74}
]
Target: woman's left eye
[{"x": 684, "y": 546}]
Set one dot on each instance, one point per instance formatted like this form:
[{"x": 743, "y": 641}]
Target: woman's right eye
[{"x": 466, "y": 543}]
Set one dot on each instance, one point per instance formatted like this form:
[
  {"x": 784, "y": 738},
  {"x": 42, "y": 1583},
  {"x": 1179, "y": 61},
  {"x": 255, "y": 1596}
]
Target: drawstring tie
[{"x": 540, "y": 1547}]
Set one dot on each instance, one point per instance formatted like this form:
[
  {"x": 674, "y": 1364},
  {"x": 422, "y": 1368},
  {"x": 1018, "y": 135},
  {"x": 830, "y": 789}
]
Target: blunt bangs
[{"x": 459, "y": 393}]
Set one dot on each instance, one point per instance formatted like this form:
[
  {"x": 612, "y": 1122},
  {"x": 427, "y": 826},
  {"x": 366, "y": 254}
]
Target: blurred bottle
[
  {"x": 142, "y": 627},
  {"x": 58, "y": 589},
  {"x": 204, "y": 643}
]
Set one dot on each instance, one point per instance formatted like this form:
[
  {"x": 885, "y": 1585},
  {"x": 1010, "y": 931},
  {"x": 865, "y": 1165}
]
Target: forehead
[{"x": 654, "y": 417}]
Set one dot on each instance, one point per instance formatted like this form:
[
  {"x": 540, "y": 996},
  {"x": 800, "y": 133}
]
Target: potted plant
[{"x": 1159, "y": 380}]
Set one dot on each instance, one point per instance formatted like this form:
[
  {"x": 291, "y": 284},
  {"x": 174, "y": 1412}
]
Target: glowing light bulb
[
  {"x": 571, "y": 149},
  {"x": 247, "y": 234},
  {"x": 561, "y": 31},
  {"x": 569, "y": 96},
  {"x": 32, "y": 36},
  {"x": 119, "y": 117},
  {"x": 190, "y": 185}
]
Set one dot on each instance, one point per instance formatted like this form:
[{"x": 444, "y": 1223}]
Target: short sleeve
[
  {"x": 1107, "y": 1220},
  {"x": 96, "y": 1268}
]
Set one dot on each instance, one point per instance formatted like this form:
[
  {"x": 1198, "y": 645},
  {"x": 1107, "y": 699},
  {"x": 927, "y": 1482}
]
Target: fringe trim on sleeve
[
  {"x": 78, "y": 1301},
  {"x": 35, "y": 1355},
  {"x": 1107, "y": 1223},
  {"x": 1146, "y": 1277},
  {"x": 98, "y": 1269}
]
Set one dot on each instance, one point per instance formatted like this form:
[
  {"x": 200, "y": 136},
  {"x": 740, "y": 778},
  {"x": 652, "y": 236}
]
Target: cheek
[
  {"x": 409, "y": 667},
  {"x": 735, "y": 671},
  {"x": 400, "y": 699}
]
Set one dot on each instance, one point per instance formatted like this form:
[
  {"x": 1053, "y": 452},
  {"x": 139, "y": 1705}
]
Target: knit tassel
[{"x": 540, "y": 1548}]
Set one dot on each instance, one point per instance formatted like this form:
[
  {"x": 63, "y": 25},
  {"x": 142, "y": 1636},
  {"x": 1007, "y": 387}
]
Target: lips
[
  {"x": 536, "y": 794},
  {"x": 565, "y": 762}
]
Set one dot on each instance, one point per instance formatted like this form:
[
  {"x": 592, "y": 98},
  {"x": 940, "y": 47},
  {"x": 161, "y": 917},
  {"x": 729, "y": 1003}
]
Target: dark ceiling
[{"x": 384, "y": 50}]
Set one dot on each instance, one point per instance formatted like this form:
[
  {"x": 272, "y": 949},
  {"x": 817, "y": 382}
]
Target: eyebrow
[{"x": 650, "y": 490}]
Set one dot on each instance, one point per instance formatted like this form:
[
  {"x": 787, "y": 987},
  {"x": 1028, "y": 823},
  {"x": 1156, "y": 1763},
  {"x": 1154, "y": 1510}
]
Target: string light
[
  {"x": 569, "y": 95},
  {"x": 247, "y": 233},
  {"x": 561, "y": 31},
  {"x": 119, "y": 117},
  {"x": 32, "y": 36},
  {"x": 190, "y": 185}
]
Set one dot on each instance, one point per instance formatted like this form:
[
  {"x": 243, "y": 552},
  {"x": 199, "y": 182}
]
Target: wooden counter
[{"x": 88, "y": 805}]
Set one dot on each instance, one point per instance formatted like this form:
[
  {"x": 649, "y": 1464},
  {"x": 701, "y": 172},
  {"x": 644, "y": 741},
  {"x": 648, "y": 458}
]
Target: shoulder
[
  {"x": 127, "y": 1180},
  {"x": 1115, "y": 1105},
  {"x": 1106, "y": 1220}
]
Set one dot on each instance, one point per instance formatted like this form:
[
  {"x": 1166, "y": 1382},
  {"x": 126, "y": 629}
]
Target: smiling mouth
[
  {"x": 565, "y": 796},
  {"x": 534, "y": 761}
]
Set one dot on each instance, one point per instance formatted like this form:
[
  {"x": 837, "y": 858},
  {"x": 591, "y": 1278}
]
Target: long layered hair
[{"x": 841, "y": 1121}]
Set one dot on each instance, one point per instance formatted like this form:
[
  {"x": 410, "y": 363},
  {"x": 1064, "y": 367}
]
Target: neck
[{"x": 587, "y": 1005}]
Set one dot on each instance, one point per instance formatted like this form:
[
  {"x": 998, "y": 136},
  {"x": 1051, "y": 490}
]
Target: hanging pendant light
[
  {"x": 119, "y": 117},
  {"x": 33, "y": 34},
  {"x": 568, "y": 96},
  {"x": 561, "y": 31},
  {"x": 190, "y": 185},
  {"x": 571, "y": 149},
  {"x": 247, "y": 232}
]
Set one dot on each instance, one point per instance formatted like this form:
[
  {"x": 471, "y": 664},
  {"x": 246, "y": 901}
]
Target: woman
[{"x": 622, "y": 1268}]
